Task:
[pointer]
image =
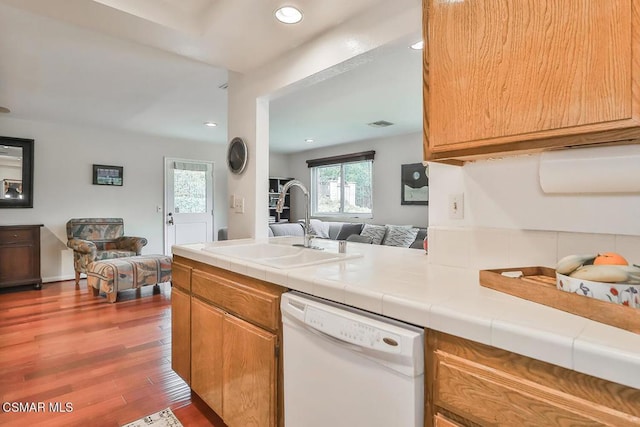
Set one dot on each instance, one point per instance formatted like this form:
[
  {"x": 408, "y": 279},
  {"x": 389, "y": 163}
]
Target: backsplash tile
[
  {"x": 451, "y": 247},
  {"x": 629, "y": 247},
  {"x": 584, "y": 243},
  {"x": 488, "y": 248},
  {"x": 485, "y": 248},
  {"x": 532, "y": 248}
]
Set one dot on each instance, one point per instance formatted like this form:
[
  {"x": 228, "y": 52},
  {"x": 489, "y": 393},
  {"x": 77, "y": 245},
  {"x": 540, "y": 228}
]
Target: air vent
[
  {"x": 224, "y": 86},
  {"x": 380, "y": 124}
]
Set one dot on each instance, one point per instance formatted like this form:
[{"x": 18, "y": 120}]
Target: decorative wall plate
[{"x": 237, "y": 155}]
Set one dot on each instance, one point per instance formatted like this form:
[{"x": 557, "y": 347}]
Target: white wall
[
  {"x": 63, "y": 189},
  {"x": 506, "y": 193},
  {"x": 279, "y": 165},
  {"x": 391, "y": 153}
]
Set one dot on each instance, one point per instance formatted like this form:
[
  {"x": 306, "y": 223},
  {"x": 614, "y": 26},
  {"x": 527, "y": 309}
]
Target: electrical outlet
[{"x": 456, "y": 206}]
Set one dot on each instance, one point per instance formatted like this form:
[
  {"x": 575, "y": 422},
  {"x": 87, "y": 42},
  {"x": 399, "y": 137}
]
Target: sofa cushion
[
  {"x": 348, "y": 229},
  {"x": 399, "y": 235},
  {"x": 319, "y": 228},
  {"x": 376, "y": 232},
  {"x": 287, "y": 229}
]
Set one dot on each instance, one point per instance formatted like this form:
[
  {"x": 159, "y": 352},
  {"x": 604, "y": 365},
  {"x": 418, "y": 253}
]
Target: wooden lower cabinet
[
  {"x": 471, "y": 384},
  {"x": 20, "y": 255},
  {"x": 181, "y": 333},
  {"x": 233, "y": 366},
  {"x": 206, "y": 351},
  {"x": 249, "y": 370},
  {"x": 181, "y": 320},
  {"x": 234, "y": 344}
]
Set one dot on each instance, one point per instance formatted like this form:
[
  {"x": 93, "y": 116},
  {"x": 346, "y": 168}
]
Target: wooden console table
[{"x": 20, "y": 255}]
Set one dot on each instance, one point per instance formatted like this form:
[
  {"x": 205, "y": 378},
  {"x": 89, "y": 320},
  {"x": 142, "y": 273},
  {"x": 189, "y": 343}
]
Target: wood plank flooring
[{"x": 102, "y": 364}]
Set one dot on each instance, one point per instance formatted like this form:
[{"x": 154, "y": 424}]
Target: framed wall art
[
  {"x": 415, "y": 184},
  {"x": 107, "y": 175}
]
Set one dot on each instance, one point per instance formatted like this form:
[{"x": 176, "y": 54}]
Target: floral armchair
[{"x": 94, "y": 239}]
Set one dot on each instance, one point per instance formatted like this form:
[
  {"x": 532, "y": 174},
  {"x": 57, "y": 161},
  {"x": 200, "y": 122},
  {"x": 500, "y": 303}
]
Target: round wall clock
[{"x": 237, "y": 155}]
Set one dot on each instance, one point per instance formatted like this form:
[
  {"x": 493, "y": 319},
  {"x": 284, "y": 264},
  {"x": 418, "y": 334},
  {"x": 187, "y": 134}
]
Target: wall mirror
[{"x": 16, "y": 172}]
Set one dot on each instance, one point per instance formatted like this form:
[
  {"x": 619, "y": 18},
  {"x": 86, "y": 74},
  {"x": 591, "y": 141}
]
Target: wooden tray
[{"x": 538, "y": 284}]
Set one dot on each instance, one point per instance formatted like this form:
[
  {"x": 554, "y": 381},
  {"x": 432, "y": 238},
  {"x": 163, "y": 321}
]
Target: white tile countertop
[{"x": 401, "y": 284}]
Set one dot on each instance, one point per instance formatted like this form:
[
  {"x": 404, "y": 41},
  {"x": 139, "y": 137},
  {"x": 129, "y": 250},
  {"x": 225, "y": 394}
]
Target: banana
[
  {"x": 571, "y": 262},
  {"x": 604, "y": 273}
]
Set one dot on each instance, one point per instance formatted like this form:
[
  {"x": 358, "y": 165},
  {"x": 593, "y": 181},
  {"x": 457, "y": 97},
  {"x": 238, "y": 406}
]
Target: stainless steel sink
[{"x": 278, "y": 255}]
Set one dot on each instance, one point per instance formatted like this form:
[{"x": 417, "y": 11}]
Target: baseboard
[{"x": 61, "y": 278}]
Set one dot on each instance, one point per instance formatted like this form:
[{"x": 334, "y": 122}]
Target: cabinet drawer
[
  {"x": 253, "y": 305},
  {"x": 487, "y": 396},
  {"x": 16, "y": 236}
]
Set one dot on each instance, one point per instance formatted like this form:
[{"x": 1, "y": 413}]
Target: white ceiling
[{"x": 155, "y": 66}]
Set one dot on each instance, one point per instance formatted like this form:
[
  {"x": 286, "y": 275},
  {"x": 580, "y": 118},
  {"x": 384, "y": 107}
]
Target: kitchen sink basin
[
  {"x": 254, "y": 250},
  {"x": 280, "y": 256}
]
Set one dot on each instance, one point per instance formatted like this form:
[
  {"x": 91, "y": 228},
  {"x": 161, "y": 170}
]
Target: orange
[{"x": 610, "y": 258}]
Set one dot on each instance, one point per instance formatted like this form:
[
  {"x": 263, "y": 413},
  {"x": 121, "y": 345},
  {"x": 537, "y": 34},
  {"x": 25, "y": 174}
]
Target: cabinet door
[
  {"x": 528, "y": 75},
  {"x": 206, "y": 353},
  {"x": 250, "y": 368},
  {"x": 181, "y": 334}
]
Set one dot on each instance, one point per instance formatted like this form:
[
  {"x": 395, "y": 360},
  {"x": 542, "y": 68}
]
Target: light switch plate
[{"x": 456, "y": 206}]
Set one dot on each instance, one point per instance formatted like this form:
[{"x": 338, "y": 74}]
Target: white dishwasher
[{"x": 344, "y": 367}]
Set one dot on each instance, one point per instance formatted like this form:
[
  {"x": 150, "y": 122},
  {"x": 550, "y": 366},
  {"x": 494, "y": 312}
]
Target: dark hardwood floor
[{"x": 104, "y": 364}]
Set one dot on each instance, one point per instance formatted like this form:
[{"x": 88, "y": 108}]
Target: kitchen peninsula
[{"x": 519, "y": 360}]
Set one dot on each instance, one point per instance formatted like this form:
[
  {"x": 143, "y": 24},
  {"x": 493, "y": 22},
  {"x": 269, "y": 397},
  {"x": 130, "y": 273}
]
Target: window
[
  {"x": 190, "y": 187},
  {"x": 342, "y": 185}
]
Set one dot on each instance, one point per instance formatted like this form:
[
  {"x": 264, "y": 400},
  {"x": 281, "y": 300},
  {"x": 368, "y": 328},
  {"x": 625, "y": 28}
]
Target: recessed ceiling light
[
  {"x": 418, "y": 46},
  {"x": 288, "y": 15},
  {"x": 210, "y": 124},
  {"x": 308, "y": 140},
  {"x": 4, "y": 110}
]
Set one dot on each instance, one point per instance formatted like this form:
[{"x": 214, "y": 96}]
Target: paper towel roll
[{"x": 591, "y": 170}]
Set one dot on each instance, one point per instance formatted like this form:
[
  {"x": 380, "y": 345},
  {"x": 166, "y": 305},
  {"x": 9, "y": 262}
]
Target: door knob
[{"x": 170, "y": 220}]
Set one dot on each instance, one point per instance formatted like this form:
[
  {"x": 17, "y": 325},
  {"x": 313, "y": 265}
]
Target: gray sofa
[{"x": 390, "y": 235}]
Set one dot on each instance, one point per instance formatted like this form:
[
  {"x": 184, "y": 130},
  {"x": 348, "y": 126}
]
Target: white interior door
[{"x": 188, "y": 202}]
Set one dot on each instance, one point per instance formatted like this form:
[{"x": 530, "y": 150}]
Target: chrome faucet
[{"x": 308, "y": 234}]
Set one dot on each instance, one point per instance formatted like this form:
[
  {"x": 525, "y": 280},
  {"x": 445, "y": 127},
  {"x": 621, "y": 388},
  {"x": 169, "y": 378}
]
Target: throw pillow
[
  {"x": 319, "y": 228},
  {"x": 401, "y": 236},
  {"x": 349, "y": 229},
  {"x": 376, "y": 232}
]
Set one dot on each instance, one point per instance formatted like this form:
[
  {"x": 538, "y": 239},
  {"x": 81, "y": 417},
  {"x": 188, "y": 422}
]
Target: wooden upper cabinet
[{"x": 528, "y": 75}]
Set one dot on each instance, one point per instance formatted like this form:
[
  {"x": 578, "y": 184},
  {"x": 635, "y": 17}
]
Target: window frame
[{"x": 341, "y": 161}]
